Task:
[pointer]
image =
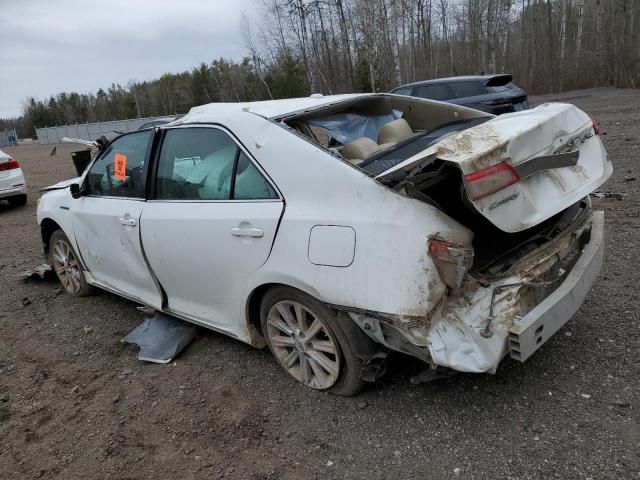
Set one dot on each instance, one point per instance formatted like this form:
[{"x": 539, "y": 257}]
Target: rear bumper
[
  {"x": 459, "y": 337},
  {"x": 531, "y": 332},
  {"x": 474, "y": 330},
  {"x": 14, "y": 184}
]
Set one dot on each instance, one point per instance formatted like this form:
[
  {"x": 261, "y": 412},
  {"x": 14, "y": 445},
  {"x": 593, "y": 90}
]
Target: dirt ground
[{"x": 76, "y": 403}]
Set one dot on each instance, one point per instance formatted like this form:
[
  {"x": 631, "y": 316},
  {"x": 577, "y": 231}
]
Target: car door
[
  {"x": 210, "y": 225},
  {"x": 106, "y": 219}
]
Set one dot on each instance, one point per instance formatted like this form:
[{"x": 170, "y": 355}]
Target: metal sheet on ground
[{"x": 161, "y": 338}]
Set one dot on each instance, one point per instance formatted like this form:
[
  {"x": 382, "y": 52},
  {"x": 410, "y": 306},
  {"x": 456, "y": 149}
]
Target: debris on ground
[
  {"x": 617, "y": 196},
  {"x": 161, "y": 337},
  {"x": 41, "y": 272}
]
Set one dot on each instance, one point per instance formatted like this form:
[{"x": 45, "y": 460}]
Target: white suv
[{"x": 335, "y": 229}]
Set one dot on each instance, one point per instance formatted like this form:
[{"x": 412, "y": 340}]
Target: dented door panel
[{"x": 107, "y": 233}]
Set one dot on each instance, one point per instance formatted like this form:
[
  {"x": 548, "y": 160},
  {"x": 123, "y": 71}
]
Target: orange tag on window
[{"x": 120, "y": 166}]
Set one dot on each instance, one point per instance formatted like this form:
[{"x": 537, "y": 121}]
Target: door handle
[
  {"x": 247, "y": 232},
  {"x": 128, "y": 221}
]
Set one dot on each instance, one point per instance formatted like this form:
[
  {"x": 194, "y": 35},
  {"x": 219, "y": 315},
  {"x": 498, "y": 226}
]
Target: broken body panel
[{"x": 528, "y": 141}]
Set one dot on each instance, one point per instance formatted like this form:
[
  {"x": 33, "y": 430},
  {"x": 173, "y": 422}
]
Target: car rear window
[
  {"x": 468, "y": 89},
  {"x": 435, "y": 91},
  {"x": 501, "y": 88}
]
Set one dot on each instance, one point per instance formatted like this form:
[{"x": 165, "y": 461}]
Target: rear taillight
[
  {"x": 10, "y": 165},
  {"x": 490, "y": 180},
  {"x": 452, "y": 261},
  {"x": 596, "y": 128}
]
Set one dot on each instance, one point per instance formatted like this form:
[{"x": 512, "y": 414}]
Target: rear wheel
[
  {"x": 303, "y": 335},
  {"x": 66, "y": 265},
  {"x": 18, "y": 200}
]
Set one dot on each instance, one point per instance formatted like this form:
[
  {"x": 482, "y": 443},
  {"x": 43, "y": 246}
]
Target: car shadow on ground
[{"x": 5, "y": 206}]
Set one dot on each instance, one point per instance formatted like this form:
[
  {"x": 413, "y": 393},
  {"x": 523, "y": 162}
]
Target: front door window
[{"x": 119, "y": 172}]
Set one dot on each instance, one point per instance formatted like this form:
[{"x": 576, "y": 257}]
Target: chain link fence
[{"x": 91, "y": 131}]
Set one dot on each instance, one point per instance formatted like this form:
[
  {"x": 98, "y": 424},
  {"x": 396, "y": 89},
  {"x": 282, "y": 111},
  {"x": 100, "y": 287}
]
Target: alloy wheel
[
  {"x": 66, "y": 266},
  {"x": 303, "y": 344}
]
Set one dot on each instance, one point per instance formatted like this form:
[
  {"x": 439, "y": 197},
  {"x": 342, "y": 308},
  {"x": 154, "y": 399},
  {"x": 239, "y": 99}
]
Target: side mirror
[{"x": 75, "y": 190}]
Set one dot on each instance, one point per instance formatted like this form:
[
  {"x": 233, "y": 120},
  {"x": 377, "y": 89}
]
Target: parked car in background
[
  {"x": 496, "y": 94},
  {"x": 336, "y": 229},
  {"x": 13, "y": 186}
]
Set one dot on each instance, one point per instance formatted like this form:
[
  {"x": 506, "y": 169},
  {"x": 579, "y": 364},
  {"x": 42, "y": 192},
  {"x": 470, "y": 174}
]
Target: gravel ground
[{"x": 75, "y": 402}]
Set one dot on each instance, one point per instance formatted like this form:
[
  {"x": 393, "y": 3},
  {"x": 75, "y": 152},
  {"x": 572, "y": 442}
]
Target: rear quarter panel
[{"x": 391, "y": 270}]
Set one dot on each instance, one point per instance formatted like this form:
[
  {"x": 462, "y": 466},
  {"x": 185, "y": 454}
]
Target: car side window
[
  {"x": 119, "y": 172},
  {"x": 198, "y": 164},
  {"x": 468, "y": 89},
  {"x": 435, "y": 91},
  {"x": 403, "y": 91},
  {"x": 250, "y": 184}
]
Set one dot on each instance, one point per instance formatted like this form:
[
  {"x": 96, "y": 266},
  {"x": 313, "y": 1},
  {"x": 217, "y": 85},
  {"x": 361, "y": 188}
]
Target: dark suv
[{"x": 495, "y": 94}]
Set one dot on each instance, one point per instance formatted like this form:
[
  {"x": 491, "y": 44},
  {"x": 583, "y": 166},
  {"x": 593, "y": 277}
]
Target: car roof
[
  {"x": 268, "y": 108},
  {"x": 461, "y": 78}
]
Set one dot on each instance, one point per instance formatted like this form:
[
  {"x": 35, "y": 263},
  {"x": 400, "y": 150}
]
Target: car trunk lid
[{"x": 521, "y": 168}]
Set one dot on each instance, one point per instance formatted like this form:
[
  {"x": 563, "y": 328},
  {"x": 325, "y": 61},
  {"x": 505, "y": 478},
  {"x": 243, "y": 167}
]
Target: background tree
[{"x": 334, "y": 46}]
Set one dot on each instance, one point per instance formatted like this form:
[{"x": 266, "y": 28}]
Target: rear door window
[
  {"x": 468, "y": 89},
  {"x": 435, "y": 91},
  {"x": 195, "y": 164},
  {"x": 201, "y": 163},
  {"x": 249, "y": 182}
]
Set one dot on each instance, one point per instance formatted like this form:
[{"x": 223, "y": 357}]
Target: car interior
[{"x": 379, "y": 131}]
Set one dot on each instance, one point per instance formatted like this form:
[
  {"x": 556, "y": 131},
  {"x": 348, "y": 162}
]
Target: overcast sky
[{"x": 47, "y": 46}]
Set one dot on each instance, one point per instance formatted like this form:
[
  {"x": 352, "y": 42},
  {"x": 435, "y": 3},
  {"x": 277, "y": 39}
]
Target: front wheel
[
  {"x": 303, "y": 335},
  {"x": 66, "y": 265}
]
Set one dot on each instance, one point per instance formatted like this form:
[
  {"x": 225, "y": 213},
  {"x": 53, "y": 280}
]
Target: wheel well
[
  {"x": 253, "y": 309},
  {"x": 47, "y": 227},
  {"x": 253, "y": 305}
]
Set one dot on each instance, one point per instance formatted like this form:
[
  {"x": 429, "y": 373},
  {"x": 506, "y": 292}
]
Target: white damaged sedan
[{"x": 336, "y": 229}]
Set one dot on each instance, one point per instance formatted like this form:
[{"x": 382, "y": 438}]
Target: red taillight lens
[
  {"x": 10, "y": 165},
  {"x": 596, "y": 128},
  {"x": 490, "y": 180},
  {"x": 452, "y": 261}
]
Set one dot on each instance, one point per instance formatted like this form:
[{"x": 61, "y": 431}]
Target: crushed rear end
[{"x": 521, "y": 184}]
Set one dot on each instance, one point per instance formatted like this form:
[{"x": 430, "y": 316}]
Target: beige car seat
[
  {"x": 395, "y": 131},
  {"x": 359, "y": 150}
]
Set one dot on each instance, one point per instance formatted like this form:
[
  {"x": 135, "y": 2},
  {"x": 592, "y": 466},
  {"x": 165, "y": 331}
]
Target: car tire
[
  {"x": 18, "y": 200},
  {"x": 65, "y": 263},
  {"x": 319, "y": 356}
]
